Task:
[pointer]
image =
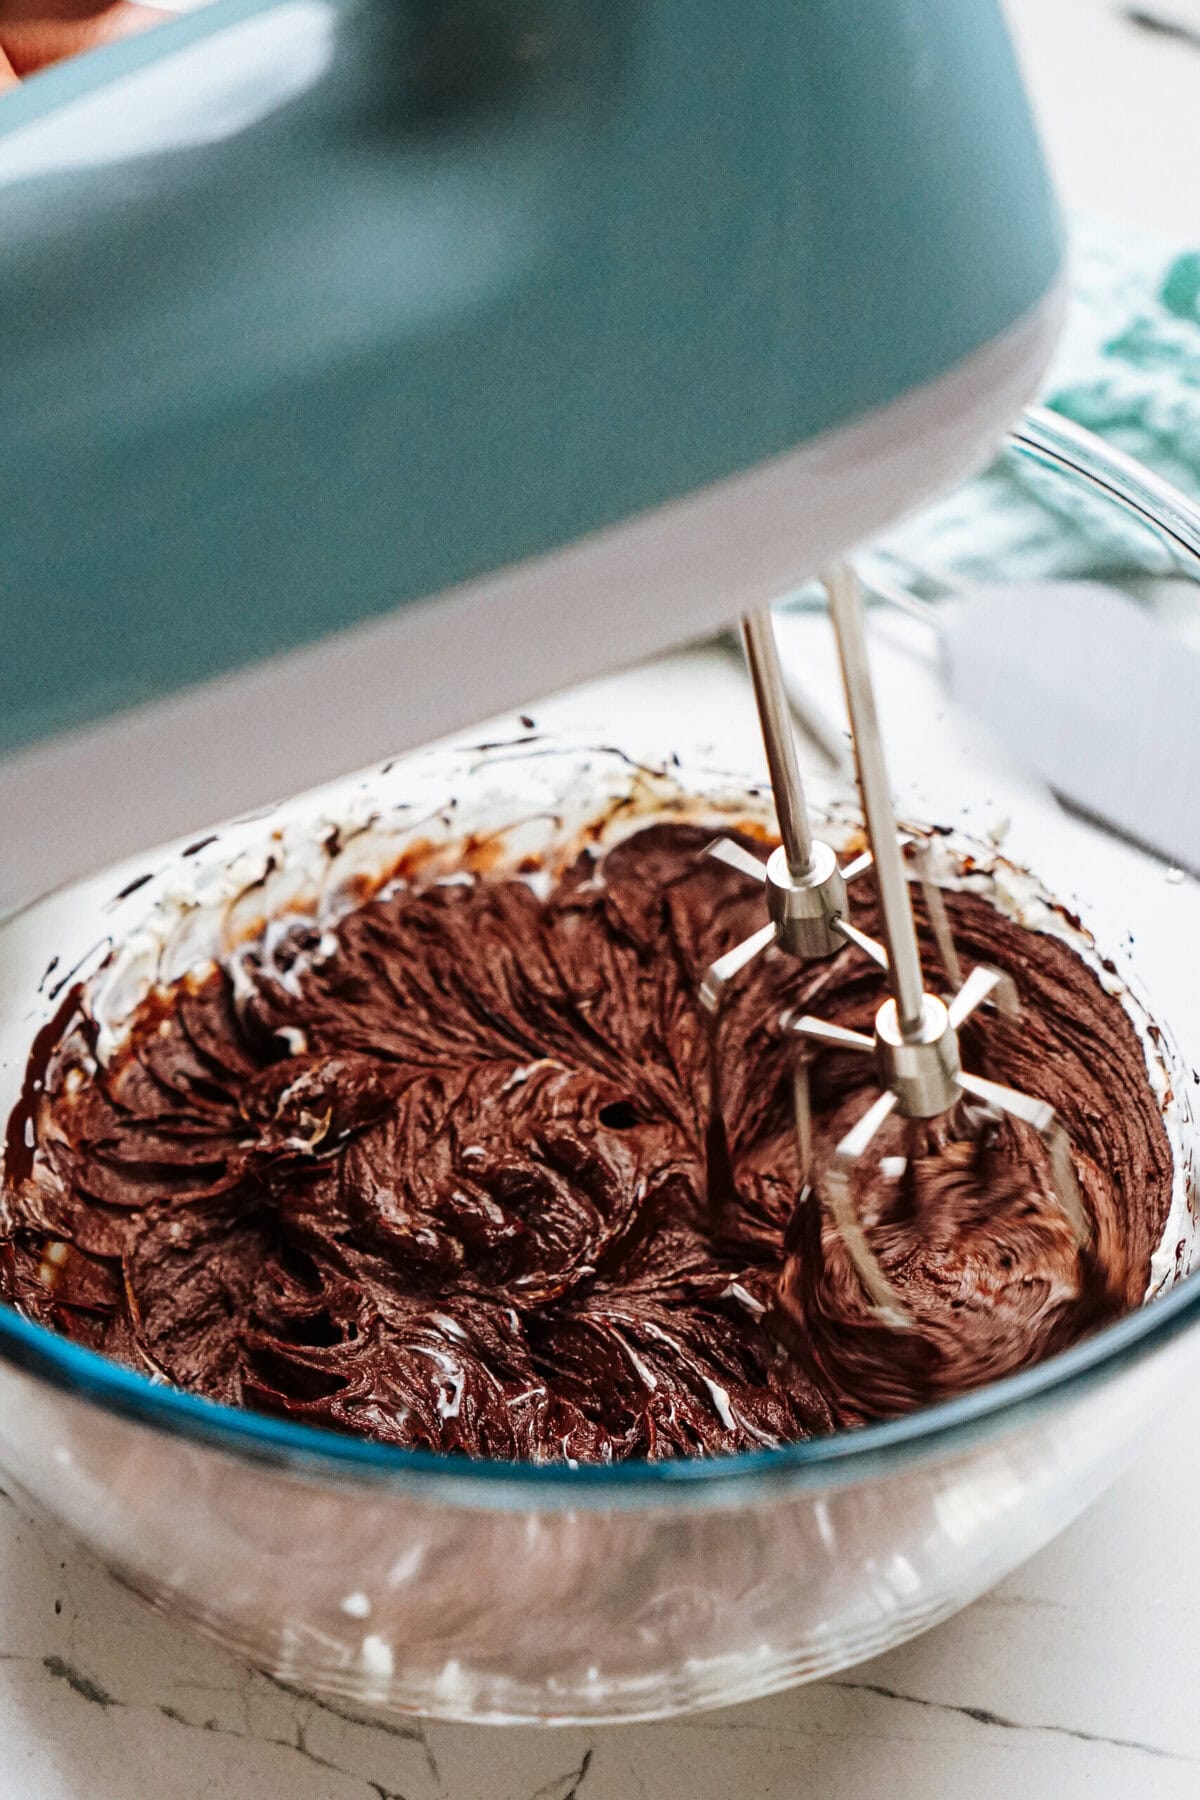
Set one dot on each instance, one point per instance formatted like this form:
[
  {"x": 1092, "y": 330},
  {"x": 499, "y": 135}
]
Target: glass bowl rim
[{"x": 849, "y": 1454}]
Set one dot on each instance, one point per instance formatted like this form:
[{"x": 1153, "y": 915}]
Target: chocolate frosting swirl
[{"x": 437, "y": 1175}]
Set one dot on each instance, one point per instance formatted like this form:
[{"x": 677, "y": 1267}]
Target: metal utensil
[{"x": 915, "y": 1042}]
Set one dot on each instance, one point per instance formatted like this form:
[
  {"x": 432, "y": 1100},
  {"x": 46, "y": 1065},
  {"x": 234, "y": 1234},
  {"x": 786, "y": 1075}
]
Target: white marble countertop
[
  {"x": 1119, "y": 107},
  {"x": 1074, "y": 1678}
]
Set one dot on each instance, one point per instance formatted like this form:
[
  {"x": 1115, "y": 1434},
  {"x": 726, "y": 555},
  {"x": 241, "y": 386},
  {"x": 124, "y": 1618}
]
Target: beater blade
[{"x": 915, "y": 1043}]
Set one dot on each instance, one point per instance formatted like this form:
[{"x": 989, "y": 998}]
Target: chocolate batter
[{"x": 437, "y": 1176}]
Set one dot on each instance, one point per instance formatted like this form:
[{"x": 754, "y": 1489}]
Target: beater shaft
[
  {"x": 762, "y": 658},
  {"x": 899, "y": 930}
]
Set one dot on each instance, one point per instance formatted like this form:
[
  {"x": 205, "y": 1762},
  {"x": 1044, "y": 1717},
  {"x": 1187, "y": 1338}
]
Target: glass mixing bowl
[{"x": 498, "y": 1592}]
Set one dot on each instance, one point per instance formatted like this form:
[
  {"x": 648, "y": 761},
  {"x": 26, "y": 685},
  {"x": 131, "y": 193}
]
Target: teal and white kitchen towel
[{"x": 1128, "y": 368}]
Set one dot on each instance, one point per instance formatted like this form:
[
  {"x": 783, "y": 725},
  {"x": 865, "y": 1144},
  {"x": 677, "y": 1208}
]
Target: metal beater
[
  {"x": 915, "y": 1042},
  {"x": 805, "y": 887}
]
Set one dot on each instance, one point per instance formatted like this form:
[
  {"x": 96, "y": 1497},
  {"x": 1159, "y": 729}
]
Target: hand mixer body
[{"x": 624, "y": 318}]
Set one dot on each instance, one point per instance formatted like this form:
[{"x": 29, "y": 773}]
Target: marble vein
[
  {"x": 298, "y": 1744},
  {"x": 409, "y": 1734},
  {"x": 566, "y": 1787},
  {"x": 982, "y": 1715},
  {"x": 79, "y": 1683},
  {"x": 91, "y": 1690}
]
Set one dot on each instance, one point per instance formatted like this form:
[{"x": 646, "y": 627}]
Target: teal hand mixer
[{"x": 371, "y": 365}]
